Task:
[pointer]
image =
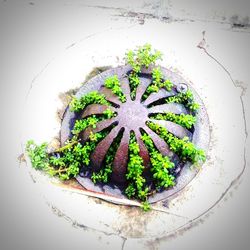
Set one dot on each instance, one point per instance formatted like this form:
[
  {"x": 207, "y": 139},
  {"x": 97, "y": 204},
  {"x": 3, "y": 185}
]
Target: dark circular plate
[{"x": 132, "y": 116}]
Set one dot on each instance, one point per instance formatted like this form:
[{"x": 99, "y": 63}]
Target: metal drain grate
[{"x": 132, "y": 115}]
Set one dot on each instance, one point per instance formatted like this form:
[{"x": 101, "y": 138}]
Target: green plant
[
  {"x": 134, "y": 81},
  {"x": 146, "y": 206},
  {"x": 90, "y": 98},
  {"x": 184, "y": 120},
  {"x": 66, "y": 165},
  {"x": 89, "y": 146},
  {"x": 38, "y": 155},
  {"x": 157, "y": 83},
  {"x": 183, "y": 147},
  {"x": 65, "y": 162},
  {"x": 143, "y": 56},
  {"x": 194, "y": 106},
  {"x": 160, "y": 165},
  {"x": 80, "y": 125},
  {"x": 186, "y": 98},
  {"x": 91, "y": 121},
  {"x": 113, "y": 83},
  {"x": 157, "y": 77},
  {"x": 136, "y": 187},
  {"x": 108, "y": 113}
]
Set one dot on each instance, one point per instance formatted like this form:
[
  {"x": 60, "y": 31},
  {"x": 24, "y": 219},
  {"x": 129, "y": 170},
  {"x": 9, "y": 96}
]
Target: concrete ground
[{"x": 48, "y": 47}]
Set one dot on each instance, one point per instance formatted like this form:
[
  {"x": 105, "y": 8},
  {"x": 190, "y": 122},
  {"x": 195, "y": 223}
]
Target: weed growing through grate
[{"x": 67, "y": 161}]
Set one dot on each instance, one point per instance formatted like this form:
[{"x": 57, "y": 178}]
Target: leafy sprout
[
  {"x": 113, "y": 83},
  {"x": 183, "y": 147},
  {"x": 137, "y": 183},
  {"x": 90, "y": 98},
  {"x": 91, "y": 121},
  {"x": 184, "y": 120},
  {"x": 160, "y": 165},
  {"x": 38, "y": 155},
  {"x": 157, "y": 83},
  {"x": 143, "y": 56},
  {"x": 186, "y": 98}
]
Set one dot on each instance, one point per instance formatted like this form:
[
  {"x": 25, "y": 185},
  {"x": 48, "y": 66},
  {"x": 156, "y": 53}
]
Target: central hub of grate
[{"x": 133, "y": 115}]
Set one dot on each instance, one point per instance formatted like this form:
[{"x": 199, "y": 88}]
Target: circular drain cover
[{"x": 132, "y": 115}]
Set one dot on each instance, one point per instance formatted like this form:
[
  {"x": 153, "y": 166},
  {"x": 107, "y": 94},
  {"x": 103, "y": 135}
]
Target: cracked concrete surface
[{"x": 219, "y": 64}]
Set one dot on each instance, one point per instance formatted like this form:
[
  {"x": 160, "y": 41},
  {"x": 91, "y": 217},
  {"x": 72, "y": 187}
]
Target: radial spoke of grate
[
  {"x": 125, "y": 88},
  {"x": 99, "y": 127},
  {"x": 96, "y": 109},
  {"x": 155, "y": 96},
  {"x": 121, "y": 159},
  {"x": 110, "y": 96},
  {"x": 147, "y": 72},
  {"x": 174, "y": 128},
  {"x": 143, "y": 150},
  {"x": 109, "y": 157},
  {"x": 174, "y": 108},
  {"x": 102, "y": 148},
  {"x": 159, "y": 143},
  {"x": 144, "y": 83}
]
